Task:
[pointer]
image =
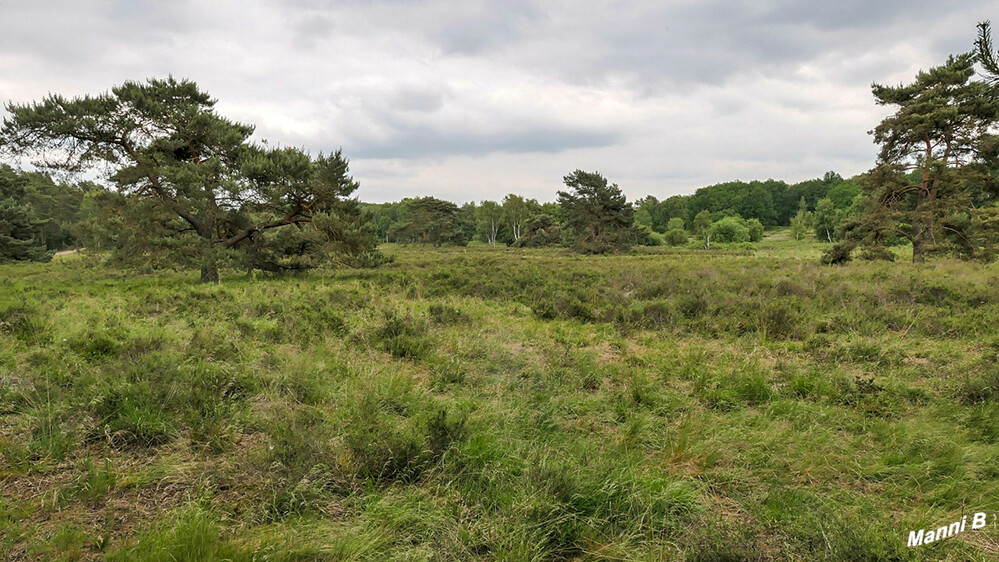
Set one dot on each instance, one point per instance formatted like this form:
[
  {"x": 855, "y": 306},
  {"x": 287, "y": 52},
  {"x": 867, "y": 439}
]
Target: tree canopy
[
  {"x": 934, "y": 183},
  {"x": 430, "y": 220},
  {"x": 194, "y": 185},
  {"x": 21, "y": 230},
  {"x": 597, "y": 213}
]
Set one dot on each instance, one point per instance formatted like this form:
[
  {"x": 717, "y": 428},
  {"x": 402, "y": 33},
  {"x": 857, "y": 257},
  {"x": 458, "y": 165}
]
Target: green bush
[
  {"x": 729, "y": 229},
  {"x": 446, "y": 315},
  {"x": 676, "y": 237},
  {"x": 755, "y": 230}
]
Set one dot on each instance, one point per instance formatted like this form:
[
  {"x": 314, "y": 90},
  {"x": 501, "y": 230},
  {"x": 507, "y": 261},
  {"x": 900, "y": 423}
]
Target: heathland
[{"x": 501, "y": 404}]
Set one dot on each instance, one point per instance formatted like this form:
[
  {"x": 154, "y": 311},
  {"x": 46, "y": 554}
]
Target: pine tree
[
  {"x": 597, "y": 213},
  {"x": 428, "y": 220},
  {"x": 195, "y": 186},
  {"x": 941, "y": 132},
  {"x": 20, "y": 228}
]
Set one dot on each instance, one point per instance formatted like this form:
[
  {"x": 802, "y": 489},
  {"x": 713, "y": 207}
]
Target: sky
[{"x": 471, "y": 100}]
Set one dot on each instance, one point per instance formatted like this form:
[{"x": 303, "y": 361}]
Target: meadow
[{"x": 742, "y": 403}]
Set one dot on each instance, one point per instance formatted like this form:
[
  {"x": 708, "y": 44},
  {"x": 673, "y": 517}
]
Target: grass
[{"x": 741, "y": 403}]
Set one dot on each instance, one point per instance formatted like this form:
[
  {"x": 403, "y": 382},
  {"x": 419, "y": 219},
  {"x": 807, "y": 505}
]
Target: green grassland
[{"x": 496, "y": 404}]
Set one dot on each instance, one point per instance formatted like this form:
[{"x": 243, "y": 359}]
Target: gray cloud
[{"x": 473, "y": 99}]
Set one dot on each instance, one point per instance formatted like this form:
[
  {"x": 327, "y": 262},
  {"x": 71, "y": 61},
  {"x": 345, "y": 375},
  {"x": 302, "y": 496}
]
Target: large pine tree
[
  {"x": 194, "y": 185},
  {"x": 597, "y": 213},
  {"x": 933, "y": 184}
]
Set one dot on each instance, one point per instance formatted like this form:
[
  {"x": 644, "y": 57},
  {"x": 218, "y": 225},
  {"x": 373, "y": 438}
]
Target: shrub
[
  {"x": 755, "y": 230},
  {"x": 840, "y": 253},
  {"x": 729, "y": 229},
  {"x": 776, "y": 321},
  {"x": 645, "y": 236},
  {"x": 872, "y": 253},
  {"x": 676, "y": 237},
  {"x": 658, "y": 314}
]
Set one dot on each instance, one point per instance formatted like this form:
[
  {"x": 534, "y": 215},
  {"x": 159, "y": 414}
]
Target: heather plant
[{"x": 481, "y": 403}]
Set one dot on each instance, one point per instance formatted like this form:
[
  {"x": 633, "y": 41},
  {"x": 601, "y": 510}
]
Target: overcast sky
[{"x": 471, "y": 100}]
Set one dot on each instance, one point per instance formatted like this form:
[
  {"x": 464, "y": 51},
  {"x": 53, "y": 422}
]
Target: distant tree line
[
  {"x": 40, "y": 215},
  {"x": 593, "y": 215}
]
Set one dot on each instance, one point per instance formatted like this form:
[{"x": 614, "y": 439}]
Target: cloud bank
[{"x": 470, "y": 100}]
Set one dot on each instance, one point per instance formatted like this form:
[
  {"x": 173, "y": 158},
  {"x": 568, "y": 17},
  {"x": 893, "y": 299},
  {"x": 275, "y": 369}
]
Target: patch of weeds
[
  {"x": 191, "y": 534},
  {"x": 641, "y": 392},
  {"x": 561, "y": 302},
  {"x": 867, "y": 396},
  {"x": 591, "y": 380},
  {"x": 776, "y": 322},
  {"x": 310, "y": 322},
  {"x": 713, "y": 393},
  {"x": 25, "y": 324},
  {"x": 94, "y": 483},
  {"x": 404, "y": 336},
  {"x": 725, "y": 393},
  {"x": 983, "y": 422},
  {"x": 658, "y": 314},
  {"x": 980, "y": 388},
  {"x": 52, "y": 435},
  {"x": 387, "y": 448},
  {"x": 719, "y": 540},
  {"x": 693, "y": 306},
  {"x": 315, "y": 492},
  {"x": 16, "y": 457},
  {"x": 850, "y": 392},
  {"x": 132, "y": 415},
  {"x": 67, "y": 542},
  {"x": 444, "y": 430},
  {"x": 819, "y": 343},
  {"x": 95, "y": 344},
  {"x": 214, "y": 345},
  {"x": 752, "y": 388},
  {"x": 449, "y": 371},
  {"x": 810, "y": 385},
  {"x": 446, "y": 315}
]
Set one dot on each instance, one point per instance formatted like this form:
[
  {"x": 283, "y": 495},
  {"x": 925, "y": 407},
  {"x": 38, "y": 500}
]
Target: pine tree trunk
[
  {"x": 917, "y": 242},
  {"x": 209, "y": 266},
  {"x": 918, "y": 253},
  {"x": 918, "y": 228},
  {"x": 209, "y": 272}
]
